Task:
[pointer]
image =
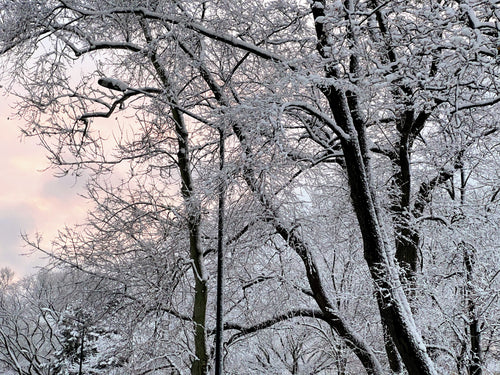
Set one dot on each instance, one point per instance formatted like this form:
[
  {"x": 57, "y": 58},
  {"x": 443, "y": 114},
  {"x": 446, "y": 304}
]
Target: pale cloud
[
  {"x": 14, "y": 220},
  {"x": 31, "y": 199}
]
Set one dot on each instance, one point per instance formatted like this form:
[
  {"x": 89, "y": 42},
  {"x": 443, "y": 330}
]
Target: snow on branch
[
  {"x": 441, "y": 219},
  {"x": 484, "y": 103},
  {"x": 212, "y": 34},
  {"x": 117, "y": 85},
  {"x": 320, "y": 116},
  {"x": 474, "y": 22},
  {"x": 113, "y": 84},
  {"x": 245, "y": 330}
]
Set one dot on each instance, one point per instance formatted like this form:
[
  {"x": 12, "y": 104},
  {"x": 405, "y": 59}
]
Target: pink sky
[{"x": 31, "y": 200}]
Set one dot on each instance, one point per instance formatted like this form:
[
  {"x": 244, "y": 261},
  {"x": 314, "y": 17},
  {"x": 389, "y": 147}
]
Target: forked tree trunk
[{"x": 393, "y": 304}]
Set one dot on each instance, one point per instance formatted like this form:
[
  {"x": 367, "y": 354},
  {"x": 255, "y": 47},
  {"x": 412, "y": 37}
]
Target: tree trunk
[
  {"x": 476, "y": 352},
  {"x": 338, "y": 324},
  {"x": 390, "y": 348},
  {"x": 193, "y": 211},
  {"x": 200, "y": 362},
  {"x": 392, "y": 301},
  {"x": 219, "y": 329}
]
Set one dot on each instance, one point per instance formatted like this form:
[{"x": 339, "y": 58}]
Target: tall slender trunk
[
  {"x": 474, "y": 331},
  {"x": 219, "y": 329},
  {"x": 475, "y": 352},
  {"x": 81, "y": 356}
]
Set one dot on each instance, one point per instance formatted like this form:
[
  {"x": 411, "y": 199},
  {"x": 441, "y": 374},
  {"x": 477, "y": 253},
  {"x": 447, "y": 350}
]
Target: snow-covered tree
[{"x": 346, "y": 127}]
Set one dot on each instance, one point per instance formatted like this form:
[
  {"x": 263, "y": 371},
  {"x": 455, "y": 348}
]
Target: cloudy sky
[{"x": 31, "y": 199}]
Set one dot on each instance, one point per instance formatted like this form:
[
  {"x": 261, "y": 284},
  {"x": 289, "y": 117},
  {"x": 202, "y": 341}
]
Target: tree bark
[
  {"x": 393, "y": 305},
  {"x": 193, "y": 211},
  {"x": 200, "y": 362},
  {"x": 475, "y": 354}
]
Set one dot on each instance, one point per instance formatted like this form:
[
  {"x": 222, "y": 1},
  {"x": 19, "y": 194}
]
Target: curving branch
[
  {"x": 426, "y": 189},
  {"x": 130, "y": 92},
  {"x": 246, "y": 330},
  {"x": 320, "y": 116}
]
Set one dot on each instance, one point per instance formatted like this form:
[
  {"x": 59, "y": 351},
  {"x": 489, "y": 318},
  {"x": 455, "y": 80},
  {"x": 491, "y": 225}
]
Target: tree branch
[
  {"x": 194, "y": 26},
  {"x": 245, "y": 330},
  {"x": 320, "y": 116}
]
